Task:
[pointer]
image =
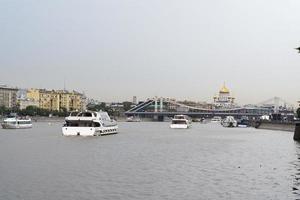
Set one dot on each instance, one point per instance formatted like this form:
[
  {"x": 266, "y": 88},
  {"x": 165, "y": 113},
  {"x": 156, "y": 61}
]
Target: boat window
[
  {"x": 96, "y": 124},
  {"x": 73, "y": 114},
  {"x": 9, "y": 122},
  {"x": 24, "y": 122},
  {"x": 79, "y": 124},
  {"x": 178, "y": 122},
  {"x": 89, "y": 115},
  {"x": 85, "y": 114},
  {"x": 179, "y": 117},
  {"x": 72, "y": 124}
]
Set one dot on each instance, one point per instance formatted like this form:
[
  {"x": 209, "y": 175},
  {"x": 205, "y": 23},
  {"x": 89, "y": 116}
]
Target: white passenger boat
[
  {"x": 89, "y": 123},
  {"x": 216, "y": 119},
  {"x": 14, "y": 122},
  {"x": 181, "y": 121},
  {"x": 229, "y": 121}
]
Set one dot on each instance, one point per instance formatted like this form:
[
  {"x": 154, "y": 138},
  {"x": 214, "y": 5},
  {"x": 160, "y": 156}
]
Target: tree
[
  {"x": 31, "y": 110},
  {"x": 127, "y": 105},
  {"x": 63, "y": 112},
  {"x": 3, "y": 110},
  {"x": 97, "y": 107}
]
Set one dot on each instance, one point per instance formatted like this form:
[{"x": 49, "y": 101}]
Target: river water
[{"x": 149, "y": 161}]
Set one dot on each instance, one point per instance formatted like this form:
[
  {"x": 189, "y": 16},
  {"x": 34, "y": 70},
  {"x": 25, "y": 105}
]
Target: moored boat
[
  {"x": 180, "y": 122},
  {"x": 216, "y": 119},
  {"x": 133, "y": 119},
  {"x": 15, "y": 122},
  {"x": 243, "y": 122},
  {"x": 229, "y": 121},
  {"x": 89, "y": 123}
]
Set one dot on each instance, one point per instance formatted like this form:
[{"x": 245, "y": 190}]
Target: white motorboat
[
  {"x": 133, "y": 119},
  {"x": 89, "y": 123},
  {"x": 181, "y": 122},
  {"x": 216, "y": 119},
  {"x": 14, "y": 122},
  {"x": 229, "y": 121}
]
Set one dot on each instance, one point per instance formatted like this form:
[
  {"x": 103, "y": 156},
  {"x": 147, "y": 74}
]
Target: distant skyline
[{"x": 114, "y": 50}]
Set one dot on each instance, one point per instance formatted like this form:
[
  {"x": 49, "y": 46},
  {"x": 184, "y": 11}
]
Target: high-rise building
[
  {"x": 24, "y": 103},
  {"x": 8, "y": 96},
  {"x": 134, "y": 100}
]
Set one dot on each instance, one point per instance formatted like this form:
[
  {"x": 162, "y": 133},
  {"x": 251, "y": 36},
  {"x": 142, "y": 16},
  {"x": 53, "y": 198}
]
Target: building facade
[
  {"x": 24, "y": 103},
  {"x": 134, "y": 100},
  {"x": 224, "y": 99},
  {"x": 72, "y": 100},
  {"x": 57, "y": 100},
  {"x": 8, "y": 96}
]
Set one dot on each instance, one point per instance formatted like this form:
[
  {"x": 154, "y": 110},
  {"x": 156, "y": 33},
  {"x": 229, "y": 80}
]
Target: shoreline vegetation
[{"x": 34, "y": 111}]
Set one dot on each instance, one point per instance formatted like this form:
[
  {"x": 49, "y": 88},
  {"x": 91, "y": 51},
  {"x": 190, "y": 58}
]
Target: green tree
[
  {"x": 127, "y": 105},
  {"x": 31, "y": 110},
  {"x": 63, "y": 112},
  {"x": 97, "y": 107},
  {"x": 3, "y": 110}
]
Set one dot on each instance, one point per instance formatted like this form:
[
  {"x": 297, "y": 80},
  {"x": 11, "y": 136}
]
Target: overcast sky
[{"x": 115, "y": 49}]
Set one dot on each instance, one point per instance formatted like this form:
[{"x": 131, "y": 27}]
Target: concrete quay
[{"x": 278, "y": 126}]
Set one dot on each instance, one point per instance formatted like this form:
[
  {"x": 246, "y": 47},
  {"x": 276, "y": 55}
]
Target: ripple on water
[{"x": 149, "y": 161}]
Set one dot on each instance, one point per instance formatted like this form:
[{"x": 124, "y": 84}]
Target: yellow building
[
  {"x": 71, "y": 100},
  {"x": 49, "y": 100},
  {"x": 33, "y": 94},
  {"x": 57, "y": 99}
]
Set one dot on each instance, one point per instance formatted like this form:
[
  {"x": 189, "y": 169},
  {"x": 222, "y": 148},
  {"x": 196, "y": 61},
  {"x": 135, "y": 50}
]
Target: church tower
[{"x": 224, "y": 99}]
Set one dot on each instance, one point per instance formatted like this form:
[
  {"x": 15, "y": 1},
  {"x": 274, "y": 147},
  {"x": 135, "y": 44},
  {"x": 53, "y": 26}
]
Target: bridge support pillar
[
  {"x": 161, "y": 104},
  {"x": 160, "y": 118},
  {"x": 155, "y": 104},
  {"x": 297, "y": 132}
]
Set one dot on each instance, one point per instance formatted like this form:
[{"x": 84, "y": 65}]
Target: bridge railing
[{"x": 139, "y": 106}]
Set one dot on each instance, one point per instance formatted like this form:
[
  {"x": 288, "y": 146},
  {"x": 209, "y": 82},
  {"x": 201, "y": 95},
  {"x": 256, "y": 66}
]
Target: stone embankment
[{"x": 279, "y": 126}]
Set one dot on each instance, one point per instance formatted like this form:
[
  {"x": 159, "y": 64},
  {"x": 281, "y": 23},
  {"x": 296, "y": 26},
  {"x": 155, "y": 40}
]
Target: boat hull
[
  {"x": 89, "y": 131},
  {"x": 229, "y": 124},
  {"x": 180, "y": 126},
  {"x": 16, "y": 126}
]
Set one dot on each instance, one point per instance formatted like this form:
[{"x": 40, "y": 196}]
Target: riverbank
[
  {"x": 60, "y": 119},
  {"x": 47, "y": 119}
]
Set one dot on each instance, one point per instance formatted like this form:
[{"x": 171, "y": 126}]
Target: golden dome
[{"x": 224, "y": 89}]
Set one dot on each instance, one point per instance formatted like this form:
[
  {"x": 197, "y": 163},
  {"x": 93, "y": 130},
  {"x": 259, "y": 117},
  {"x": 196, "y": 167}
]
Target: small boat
[
  {"x": 216, "y": 119},
  {"x": 89, "y": 123},
  {"x": 229, "y": 121},
  {"x": 133, "y": 119},
  {"x": 243, "y": 122},
  {"x": 15, "y": 122},
  {"x": 181, "y": 122}
]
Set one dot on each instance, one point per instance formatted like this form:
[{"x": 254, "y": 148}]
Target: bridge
[{"x": 166, "y": 107}]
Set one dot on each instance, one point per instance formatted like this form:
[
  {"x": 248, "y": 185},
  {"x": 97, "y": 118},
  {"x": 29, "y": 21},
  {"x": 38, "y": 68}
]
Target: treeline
[
  {"x": 112, "y": 111},
  {"x": 36, "y": 111},
  {"x": 33, "y": 111}
]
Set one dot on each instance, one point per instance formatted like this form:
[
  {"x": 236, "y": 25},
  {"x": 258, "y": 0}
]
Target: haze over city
[{"x": 113, "y": 50}]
